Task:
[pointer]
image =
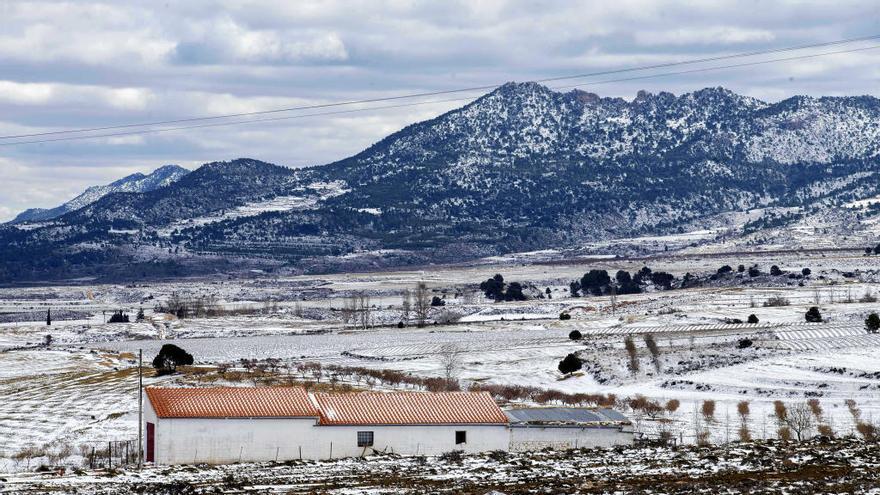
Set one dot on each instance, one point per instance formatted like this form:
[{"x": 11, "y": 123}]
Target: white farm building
[{"x": 230, "y": 424}]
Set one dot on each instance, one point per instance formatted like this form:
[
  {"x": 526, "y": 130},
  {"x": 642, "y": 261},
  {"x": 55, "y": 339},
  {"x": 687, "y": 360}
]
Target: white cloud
[
  {"x": 225, "y": 41},
  {"x": 725, "y": 35},
  {"x": 87, "y": 95},
  {"x": 84, "y": 63},
  {"x": 25, "y": 93},
  {"x": 86, "y": 33}
]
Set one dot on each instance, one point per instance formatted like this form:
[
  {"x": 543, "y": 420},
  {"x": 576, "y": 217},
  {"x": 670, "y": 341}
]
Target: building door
[{"x": 151, "y": 442}]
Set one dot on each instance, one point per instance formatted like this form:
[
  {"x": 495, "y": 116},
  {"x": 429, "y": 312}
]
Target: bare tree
[
  {"x": 632, "y": 353},
  {"x": 853, "y": 410},
  {"x": 365, "y": 311},
  {"x": 654, "y": 350},
  {"x": 708, "y": 410},
  {"x": 450, "y": 362},
  {"x": 357, "y": 310},
  {"x": 405, "y": 305},
  {"x": 349, "y": 310},
  {"x": 613, "y": 294},
  {"x": 799, "y": 420},
  {"x": 468, "y": 296},
  {"x": 422, "y": 303},
  {"x": 867, "y": 430},
  {"x": 816, "y": 408},
  {"x": 447, "y": 317},
  {"x": 742, "y": 408}
]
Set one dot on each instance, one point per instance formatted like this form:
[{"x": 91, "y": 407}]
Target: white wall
[
  {"x": 223, "y": 441},
  {"x": 413, "y": 439},
  {"x": 533, "y": 437}
]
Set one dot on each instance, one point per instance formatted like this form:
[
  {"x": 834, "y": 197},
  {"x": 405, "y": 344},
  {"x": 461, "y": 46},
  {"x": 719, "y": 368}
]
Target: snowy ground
[
  {"x": 83, "y": 389},
  {"x": 841, "y": 466}
]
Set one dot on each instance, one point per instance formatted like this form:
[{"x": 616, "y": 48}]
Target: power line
[
  {"x": 732, "y": 66},
  {"x": 451, "y": 91},
  {"x": 429, "y": 102}
]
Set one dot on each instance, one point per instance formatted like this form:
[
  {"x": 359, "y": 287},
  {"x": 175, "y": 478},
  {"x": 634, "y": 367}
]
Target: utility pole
[{"x": 140, "y": 409}]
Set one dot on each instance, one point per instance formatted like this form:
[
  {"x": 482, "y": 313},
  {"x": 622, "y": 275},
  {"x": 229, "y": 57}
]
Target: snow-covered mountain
[
  {"x": 137, "y": 182},
  {"x": 521, "y": 168}
]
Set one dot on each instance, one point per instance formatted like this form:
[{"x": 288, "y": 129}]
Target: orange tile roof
[
  {"x": 231, "y": 402},
  {"x": 409, "y": 408}
]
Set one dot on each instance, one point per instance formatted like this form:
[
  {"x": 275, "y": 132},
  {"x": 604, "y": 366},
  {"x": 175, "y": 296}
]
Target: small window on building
[
  {"x": 365, "y": 439},
  {"x": 460, "y": 437}
]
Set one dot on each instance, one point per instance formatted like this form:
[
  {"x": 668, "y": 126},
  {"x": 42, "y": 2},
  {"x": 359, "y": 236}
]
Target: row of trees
[
  {"x": 416, "y": 303},
  {"x": 598, "y": 282},
  {"x": 792, "y": 421},
  {"x": 755, "y": 271}
]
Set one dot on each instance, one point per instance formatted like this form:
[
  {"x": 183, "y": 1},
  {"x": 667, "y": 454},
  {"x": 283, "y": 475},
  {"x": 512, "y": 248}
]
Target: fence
[{"x": 112, "y": 454}]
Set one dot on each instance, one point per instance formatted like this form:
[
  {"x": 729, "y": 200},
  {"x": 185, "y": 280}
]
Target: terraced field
[{"x": 57, "y": 400}]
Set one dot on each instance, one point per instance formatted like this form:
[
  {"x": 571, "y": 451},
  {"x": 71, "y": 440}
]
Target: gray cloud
[{"x": 93, "y": 63}]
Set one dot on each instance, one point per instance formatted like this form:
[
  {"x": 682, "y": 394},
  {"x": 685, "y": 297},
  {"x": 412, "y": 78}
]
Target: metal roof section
[{"x": 565, "y": 416}]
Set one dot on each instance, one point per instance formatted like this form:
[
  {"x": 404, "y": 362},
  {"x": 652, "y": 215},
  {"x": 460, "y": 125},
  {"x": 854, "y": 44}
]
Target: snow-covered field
[{"x": 82, "y": 389}]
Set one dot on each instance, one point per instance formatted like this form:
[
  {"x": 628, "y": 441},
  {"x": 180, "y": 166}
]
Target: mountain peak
[
  {"x": 240, "y": 166},
  {"x": 136, "y": 182}
]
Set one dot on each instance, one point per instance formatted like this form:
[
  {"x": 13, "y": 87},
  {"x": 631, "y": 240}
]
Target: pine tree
[
  {"x": 570, "y": 364},
  {"x": 872, "y": 323}
]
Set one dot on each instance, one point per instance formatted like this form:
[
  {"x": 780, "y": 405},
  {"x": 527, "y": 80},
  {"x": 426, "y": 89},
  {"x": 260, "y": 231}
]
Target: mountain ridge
[
  {"x": 520, "y": 168},
  {"x": 137, "y": 182}
]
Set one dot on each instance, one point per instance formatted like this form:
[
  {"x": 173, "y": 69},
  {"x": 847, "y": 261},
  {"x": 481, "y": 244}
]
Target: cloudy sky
[{"x": 77, "y": 64}]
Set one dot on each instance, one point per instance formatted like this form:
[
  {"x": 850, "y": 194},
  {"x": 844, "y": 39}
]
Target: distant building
[{"x": 567, "y": 428}]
